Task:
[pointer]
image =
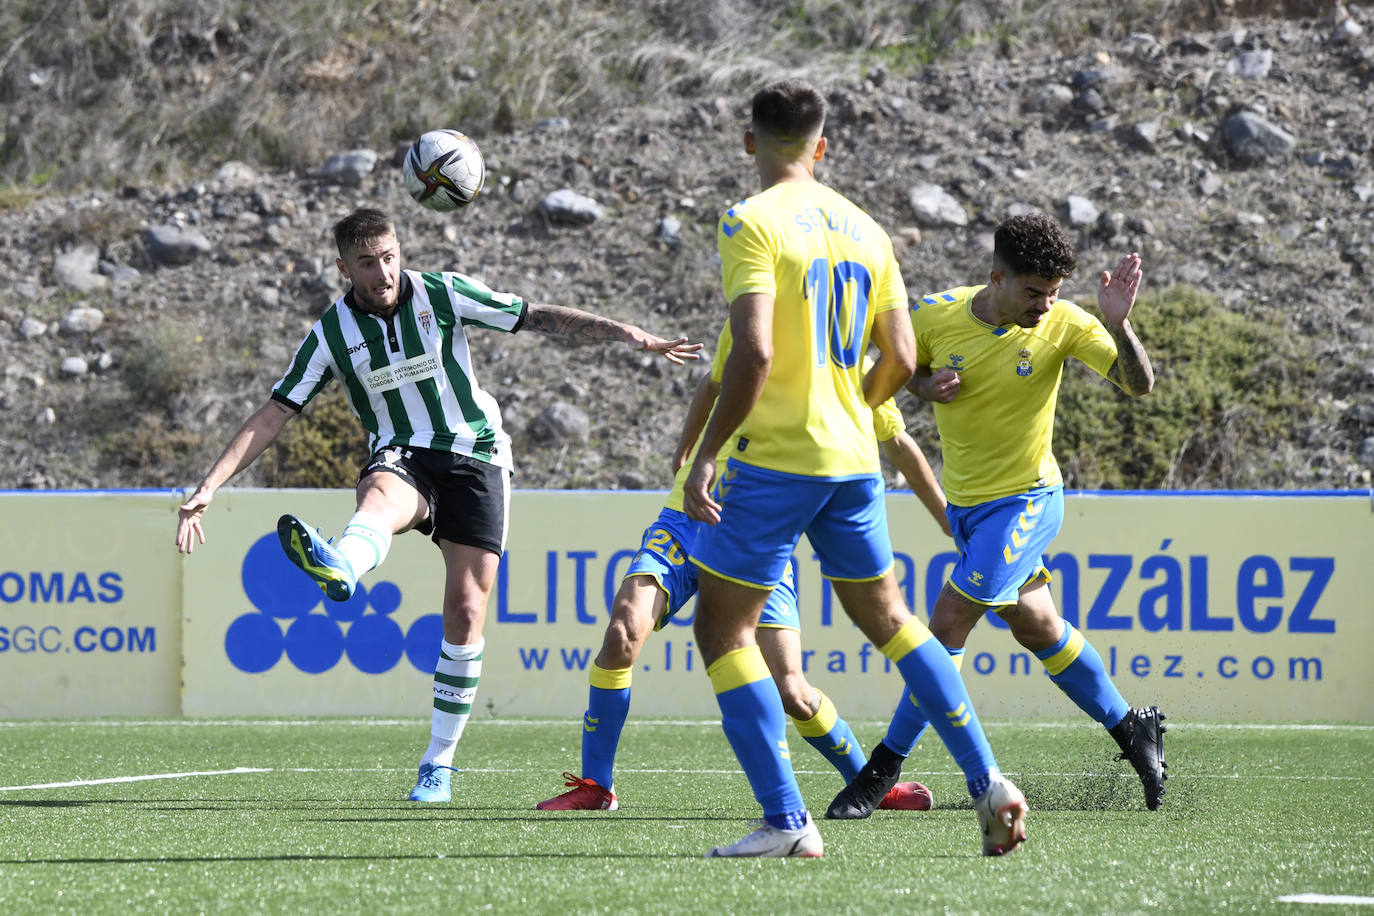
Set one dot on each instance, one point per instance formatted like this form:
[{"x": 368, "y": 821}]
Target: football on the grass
[{"x": 444, "y": 170}]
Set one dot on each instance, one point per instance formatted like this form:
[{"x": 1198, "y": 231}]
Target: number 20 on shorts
[{"x": 662, "y": 543}]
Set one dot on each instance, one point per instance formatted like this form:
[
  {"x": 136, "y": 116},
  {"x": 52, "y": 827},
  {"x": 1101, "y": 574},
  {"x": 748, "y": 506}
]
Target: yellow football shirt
[
  {"x": 996, "y": 436},
  {"x": 830, "y": 269},
  {"x": 887, "y": 422}
]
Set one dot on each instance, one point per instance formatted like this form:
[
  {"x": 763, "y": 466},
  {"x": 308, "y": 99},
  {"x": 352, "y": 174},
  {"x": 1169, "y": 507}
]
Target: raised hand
[{"x": 1116, "y": 290}]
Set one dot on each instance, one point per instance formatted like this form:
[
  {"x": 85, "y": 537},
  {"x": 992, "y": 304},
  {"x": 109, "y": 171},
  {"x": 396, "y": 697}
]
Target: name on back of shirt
[{"x": 813, "y": 218}]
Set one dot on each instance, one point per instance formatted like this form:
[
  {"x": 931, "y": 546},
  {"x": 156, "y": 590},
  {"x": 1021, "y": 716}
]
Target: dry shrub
[{"x": 138, "y": 91}]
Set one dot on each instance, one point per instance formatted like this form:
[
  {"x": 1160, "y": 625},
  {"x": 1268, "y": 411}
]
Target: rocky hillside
[{"x": 143, "y": 317}]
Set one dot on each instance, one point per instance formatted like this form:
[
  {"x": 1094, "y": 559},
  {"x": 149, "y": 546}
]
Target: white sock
[
  {"x": 455, "y": 687},
  {"x": 440, "y": 752},
  {"x": 364, "y": 542}
]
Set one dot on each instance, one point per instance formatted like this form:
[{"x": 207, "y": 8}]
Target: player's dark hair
[
  {"x": 360, "y": 227},
  {"x": 788, "y": 111},
  {"x": 1035, "y": 245}
]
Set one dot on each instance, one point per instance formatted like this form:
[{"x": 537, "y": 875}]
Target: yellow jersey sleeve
[{"x": 887, "y": 416}]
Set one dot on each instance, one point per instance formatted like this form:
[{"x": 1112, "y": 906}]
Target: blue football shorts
[
  {"x": 765, "y": 512},
  {"x": 1002, "y": 543},
  {"x": 662, "y": 555}
]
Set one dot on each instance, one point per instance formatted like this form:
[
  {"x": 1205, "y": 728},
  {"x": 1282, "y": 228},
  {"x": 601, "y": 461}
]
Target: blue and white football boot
[
  {"x": 433, "y": 784},
  {"x": 317, "y": 558}
]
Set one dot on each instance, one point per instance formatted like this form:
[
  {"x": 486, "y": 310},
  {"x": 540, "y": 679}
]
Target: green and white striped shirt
[{"x": 409, "y": 378}]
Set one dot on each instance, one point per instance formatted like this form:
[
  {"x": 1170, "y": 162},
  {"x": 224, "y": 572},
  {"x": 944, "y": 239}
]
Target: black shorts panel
[{"x": 469, "y": 499}]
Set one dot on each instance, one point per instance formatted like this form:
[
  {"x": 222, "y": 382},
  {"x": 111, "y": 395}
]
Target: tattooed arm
[
  {"x": 1131, "y": 372},
  {"x": 584, "y": 327},
  {"x": 1116, "y": 292}
]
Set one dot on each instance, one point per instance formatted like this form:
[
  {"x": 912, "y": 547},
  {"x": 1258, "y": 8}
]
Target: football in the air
[{"x": 444, "y": 170}]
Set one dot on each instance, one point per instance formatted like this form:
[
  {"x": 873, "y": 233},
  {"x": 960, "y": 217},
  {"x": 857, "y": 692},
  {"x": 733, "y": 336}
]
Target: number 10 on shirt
[{"x": 838, "y": 330}]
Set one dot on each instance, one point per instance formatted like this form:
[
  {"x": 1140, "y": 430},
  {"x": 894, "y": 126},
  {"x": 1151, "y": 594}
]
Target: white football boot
[
  {"x": 1002, "y": 813},
  {"x": 774, "y": 843}
]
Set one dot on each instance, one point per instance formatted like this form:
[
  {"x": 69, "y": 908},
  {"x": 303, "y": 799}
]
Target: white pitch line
[
  {"x": 643, "y": 771},
  {"x": 114, "y": 779},
  {"x": 805, "y": 771},
  {"x": 685, "y": 723},
  {"x": 1338, "y": 899}
]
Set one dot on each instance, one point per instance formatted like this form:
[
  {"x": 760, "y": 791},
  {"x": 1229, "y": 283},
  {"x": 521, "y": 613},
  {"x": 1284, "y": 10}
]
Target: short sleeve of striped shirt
[
  {"x": 473, "y": 303},
  {"x": 311, "y": 369}
]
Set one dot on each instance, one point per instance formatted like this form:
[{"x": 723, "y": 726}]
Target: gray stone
[
  {"x": 79, "y": 269},
  {"x": 1345, "y": 165},
  {"x": 561, "y": 422},
  {"x": 349, "y": 168},
  {"x": 30, "y": 328},
  {"x": 1365, "y": 456},
  {"x": 571, "y": 389},
  {"x": 570, "y": 208},
  {"x": 1191, "y": 132},
  {"x": 1189, "y": 45},
  {"x": 1145, "y": 134},
  {"x": 1347, "y": 30},
  {"x": 1251, "y": 65},
  {"x": 1252, "y": 140},
  {"x": 104, "y": 361},
  {"x": 1050, "y": 98},
  {"x": 45, "y": 417},
  {"x": 1091, "y": 101},
  {"x": 74, "y": 366},
  {"x": 123, "y": 275},
  {"x": 82, "y": 319},
  {"x": 1111, "y": 223},
  {"x": 174, "y": 246},
  {"x": 1087, "y": 79},
  {"x": 236, "y": 176},
  {"x": 934, "y": 206},
  {"x": 1209, "y": 184},
  {"x": 1082, "y": 212},
  {"x": 986, "y": 165},
  {"x": 670, "y": 231}
]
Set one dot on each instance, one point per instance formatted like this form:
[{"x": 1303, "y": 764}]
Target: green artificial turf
[{"x": 1251, "y": 815}]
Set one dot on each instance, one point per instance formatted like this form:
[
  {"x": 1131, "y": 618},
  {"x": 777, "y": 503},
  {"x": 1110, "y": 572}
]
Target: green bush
[
  {"x": 326, "y": 447},
  {"x": 1227, "y": 387}
]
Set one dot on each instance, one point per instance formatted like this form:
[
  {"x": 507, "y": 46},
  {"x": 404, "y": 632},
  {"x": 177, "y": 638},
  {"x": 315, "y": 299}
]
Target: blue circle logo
[{"x": 288, "y": 620}]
